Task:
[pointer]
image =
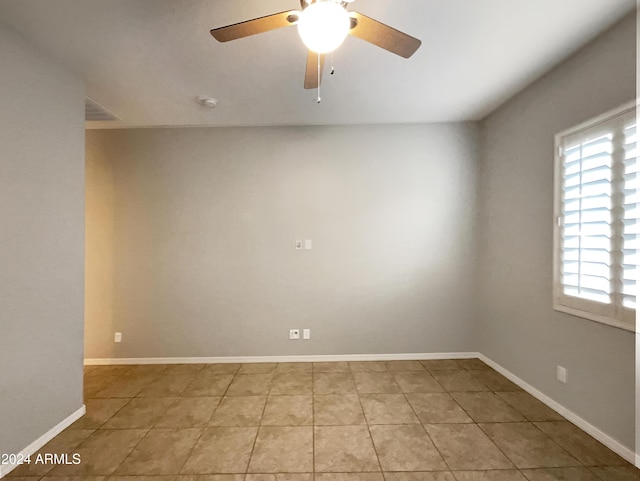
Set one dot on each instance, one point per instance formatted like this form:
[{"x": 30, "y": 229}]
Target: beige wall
[
  {"x": 519, "y": 329},
  {"x": 41, "y": 243},
  {"x": 99, "y": 242},
  {"x": 205, "y": 223}
]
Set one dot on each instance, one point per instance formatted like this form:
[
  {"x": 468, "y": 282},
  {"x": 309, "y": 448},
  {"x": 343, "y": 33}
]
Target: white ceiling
[{"x": 147, "y": 60}]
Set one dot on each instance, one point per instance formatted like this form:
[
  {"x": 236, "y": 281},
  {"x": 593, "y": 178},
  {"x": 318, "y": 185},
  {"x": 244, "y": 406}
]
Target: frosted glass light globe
[{"x": 323, "y": 26}]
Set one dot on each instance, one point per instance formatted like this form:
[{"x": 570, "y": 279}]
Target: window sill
[{"x": 626, "y": 326}]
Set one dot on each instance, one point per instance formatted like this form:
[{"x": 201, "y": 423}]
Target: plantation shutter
[
  {"x": 597, "y": 220},
  {"x": 631, "y": 217}
]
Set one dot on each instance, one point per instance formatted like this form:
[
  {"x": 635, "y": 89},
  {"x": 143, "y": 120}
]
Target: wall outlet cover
[
  {"x": 117, "y": 337},
  {"x": 306, "y": 334},
  {"x": 562, "y": 374},
  {"x": 294, "y": 333}
]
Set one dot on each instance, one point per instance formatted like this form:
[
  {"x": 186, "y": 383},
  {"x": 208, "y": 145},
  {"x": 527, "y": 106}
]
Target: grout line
[
  {"x": 364, "y": 414},
  {"x": 515, "y": 466},
  {"x": 449, "y": 393},
  {"x": 264, "y": 408},
  {"x": 590, "y": 469},
  {"x": 148, "y": 429},
  {"x": 204, "y": 429},
  {"x": 117, "y": 377},
  {"x": 444, "y": 460},
  {"x": 480, "y": 428},
  {"x": 115, "y": 413},
  {"x": 556, "y": 442},
  {"x": 103, "y": 430},
  {"x": 127, "y": 455}
]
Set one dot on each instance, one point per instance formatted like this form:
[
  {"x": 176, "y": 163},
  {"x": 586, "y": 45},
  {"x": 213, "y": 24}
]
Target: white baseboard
[
  {"x": 589, "y": 428},
  {"x": 44, "y": 439},
  {"x": 260, "y": 359}
]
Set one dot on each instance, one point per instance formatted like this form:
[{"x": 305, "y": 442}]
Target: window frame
[{"x": 615, "y": 314}]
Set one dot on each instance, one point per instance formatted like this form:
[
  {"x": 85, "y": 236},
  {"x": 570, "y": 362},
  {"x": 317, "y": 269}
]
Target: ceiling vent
[{"x": 94, "y": 112}]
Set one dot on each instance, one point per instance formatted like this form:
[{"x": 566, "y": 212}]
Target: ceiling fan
[{"x": 323, "y": 25}]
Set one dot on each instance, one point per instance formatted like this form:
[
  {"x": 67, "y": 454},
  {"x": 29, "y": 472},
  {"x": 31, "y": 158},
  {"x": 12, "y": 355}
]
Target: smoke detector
[{"x": 208, "y": 102}]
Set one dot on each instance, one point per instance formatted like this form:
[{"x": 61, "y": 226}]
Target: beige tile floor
[{"x": 451, "y": 420}]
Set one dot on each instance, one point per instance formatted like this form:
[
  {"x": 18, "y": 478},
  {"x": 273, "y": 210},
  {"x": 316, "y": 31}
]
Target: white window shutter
[
  {"x": 596, "y": 236},
  {"x": 631, "y": 218}
]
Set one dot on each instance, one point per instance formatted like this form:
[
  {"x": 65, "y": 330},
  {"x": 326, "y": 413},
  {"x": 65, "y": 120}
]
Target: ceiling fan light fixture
[{"x": 323, "y": 26}]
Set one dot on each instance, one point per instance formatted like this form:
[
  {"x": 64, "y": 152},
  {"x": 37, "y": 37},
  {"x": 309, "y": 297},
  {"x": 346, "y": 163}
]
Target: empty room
[{"x": 318, "y": 240}]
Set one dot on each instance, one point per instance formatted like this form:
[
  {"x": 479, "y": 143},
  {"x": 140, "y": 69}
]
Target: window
[{"x": 596, "y": 212}]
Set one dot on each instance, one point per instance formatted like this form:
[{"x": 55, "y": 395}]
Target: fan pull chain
[
  {"x": 333, "y": 69},
  {"x": 319, "y": 97}
]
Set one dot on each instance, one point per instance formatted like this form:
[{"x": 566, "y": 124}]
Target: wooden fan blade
[
  {"x": 255, "y": 26},
  {"x": 383, "y": 36},
  {"x": 311, "y": 76}
]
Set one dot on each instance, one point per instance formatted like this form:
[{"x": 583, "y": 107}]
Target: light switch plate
[
  {"x": 308, "y": 245},
  {"x": 306, "y": 334}
]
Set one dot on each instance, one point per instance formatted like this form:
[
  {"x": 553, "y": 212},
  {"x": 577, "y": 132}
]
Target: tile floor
[{"x": 451, "y": 420}]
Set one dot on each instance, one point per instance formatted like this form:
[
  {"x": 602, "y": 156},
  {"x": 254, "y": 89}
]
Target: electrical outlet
[
  {"x": 306, "y": 334},
  {"x": 117, "y": 337},
  {"x": 294, "y": 333},
  {"x": 298, "y": 245},
  {"x": 562, "y": 374}
]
